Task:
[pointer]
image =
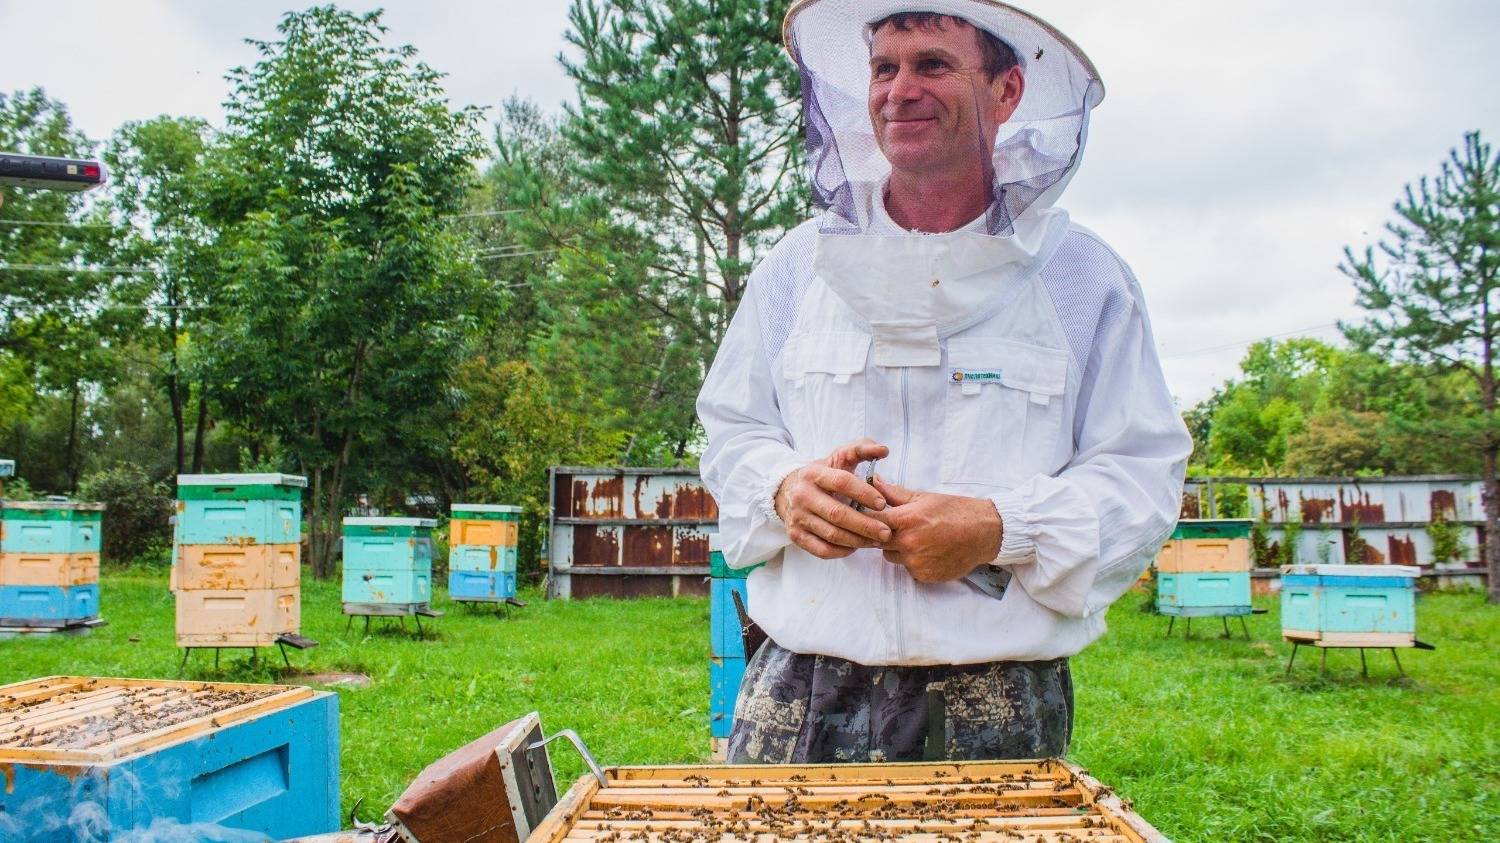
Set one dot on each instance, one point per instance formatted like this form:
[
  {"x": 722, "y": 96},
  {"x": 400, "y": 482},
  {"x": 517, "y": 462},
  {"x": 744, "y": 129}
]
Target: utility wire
[
  {"x": 53, "y": 224},
  {"x": 107, "y": 270},
  {"x": 1242, "y": 343}
]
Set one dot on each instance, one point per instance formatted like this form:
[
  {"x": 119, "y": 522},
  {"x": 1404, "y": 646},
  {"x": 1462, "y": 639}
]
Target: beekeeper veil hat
[
  {"x": 1034, "y": 153},
  {"x": 910, "y": 289}
]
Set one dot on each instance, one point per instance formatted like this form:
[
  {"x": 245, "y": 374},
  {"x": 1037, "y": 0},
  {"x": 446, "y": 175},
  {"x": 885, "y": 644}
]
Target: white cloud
[{"x": 1239, "y": 149}]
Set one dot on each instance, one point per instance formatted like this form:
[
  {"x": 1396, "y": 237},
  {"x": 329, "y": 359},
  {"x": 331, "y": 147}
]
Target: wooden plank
[
  {"x": 557, "y": 824},
  {"x": 756, "y": 824},
  {"x": 1101, "y": 796},
  {"x": 837, "y": 772},
  {"x": 869, "y": 798},
  {"x": 677, "y": 836}
]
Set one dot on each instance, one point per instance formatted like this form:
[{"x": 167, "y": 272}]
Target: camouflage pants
[{"x": 797, "y": 709}]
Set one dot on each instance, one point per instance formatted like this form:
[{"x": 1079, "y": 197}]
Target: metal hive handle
[{"x": 583, "y": 750}]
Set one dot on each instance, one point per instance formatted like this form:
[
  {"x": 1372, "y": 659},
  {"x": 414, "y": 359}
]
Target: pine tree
[{"x": 1428, "y": 293}]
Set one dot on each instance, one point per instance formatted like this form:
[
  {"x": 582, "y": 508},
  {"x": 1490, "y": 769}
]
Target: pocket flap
[
  {"x": 1030, "y": 368},
  {"x": 838, "y": 353}
]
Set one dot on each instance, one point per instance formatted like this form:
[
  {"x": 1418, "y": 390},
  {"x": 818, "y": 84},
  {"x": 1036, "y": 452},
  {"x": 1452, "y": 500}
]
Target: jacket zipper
[{"x": 897, "y": 584}]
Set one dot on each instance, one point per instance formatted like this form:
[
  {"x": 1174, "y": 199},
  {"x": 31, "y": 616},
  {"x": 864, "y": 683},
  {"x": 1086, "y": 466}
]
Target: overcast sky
[{"x": 1239, "y": 148}]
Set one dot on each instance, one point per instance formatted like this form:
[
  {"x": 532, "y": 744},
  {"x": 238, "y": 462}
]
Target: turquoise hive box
[
  {"x": 388, "y": 560},
  {"x": 1350, "y": 605},
  {"x": 239, "y": 509},
  {"x": 1204, "y": 594},
  {"x": 51, "y": 527}
]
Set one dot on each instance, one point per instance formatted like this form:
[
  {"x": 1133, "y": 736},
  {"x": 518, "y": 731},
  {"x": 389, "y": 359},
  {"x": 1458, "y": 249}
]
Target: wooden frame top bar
[{"x": 94, "y": 720}]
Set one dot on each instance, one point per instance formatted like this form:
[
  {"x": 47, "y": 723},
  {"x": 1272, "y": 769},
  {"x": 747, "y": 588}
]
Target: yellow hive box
[
  {"x": 222, "y": 566},
  {"x": 51, "y": 569},
  {"x": 243, "y": 618},
  {"x": 1204, "y": 556},
  {"x": 492, "y": 533}
]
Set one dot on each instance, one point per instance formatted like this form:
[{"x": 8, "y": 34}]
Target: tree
[
  {"x": 1428, "y": 292},
  {"x": 687, "y": 127},
  {"x": 347, "y": 291},
  {"x": 155, "y": 170}
]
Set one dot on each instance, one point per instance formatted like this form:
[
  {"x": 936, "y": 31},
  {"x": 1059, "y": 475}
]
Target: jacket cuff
[
  {"x": 765, "y": 498},
  {"x": 1017, "y": 533}
]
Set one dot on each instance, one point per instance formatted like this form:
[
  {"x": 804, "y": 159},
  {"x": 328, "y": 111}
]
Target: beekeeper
[{"x": 944, "y": 323}]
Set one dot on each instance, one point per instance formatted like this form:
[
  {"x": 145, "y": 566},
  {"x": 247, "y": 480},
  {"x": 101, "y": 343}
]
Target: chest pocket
[
  {"x": 1003, "y": 410},
  {"x": 825, "y": 375}
]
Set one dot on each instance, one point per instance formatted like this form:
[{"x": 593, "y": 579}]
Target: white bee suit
[{"x": 1011, "y": 360}]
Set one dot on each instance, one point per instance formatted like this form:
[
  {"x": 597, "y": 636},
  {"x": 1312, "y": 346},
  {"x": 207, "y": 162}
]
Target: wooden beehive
[
  {"x": 387, "y": 561},
  {"x": 237, "y": 561},
  {"x": 262, "y": 758},
  {"x": 49, "y": 564},
  {"x": 1039, "y": 801},
  {"x": 483, "y": 552},
  {"x": 1349, "y": 605}
]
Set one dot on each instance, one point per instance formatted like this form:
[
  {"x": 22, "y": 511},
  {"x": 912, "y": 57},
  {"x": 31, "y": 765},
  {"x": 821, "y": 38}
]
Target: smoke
[{"x": 84, "y": 818}]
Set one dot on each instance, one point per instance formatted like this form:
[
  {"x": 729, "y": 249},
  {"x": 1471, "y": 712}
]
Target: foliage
[
  {"x": 348, "y": 293},
  {"x": 1428, "y": 296},
  {"x": 1244, "y": 755},
  {"x": 136, "y": 510},
  {"x": 1291, "y": 535},
  {"x": 1447, "y": 539},
  {"x": 1260, "y": 540}
]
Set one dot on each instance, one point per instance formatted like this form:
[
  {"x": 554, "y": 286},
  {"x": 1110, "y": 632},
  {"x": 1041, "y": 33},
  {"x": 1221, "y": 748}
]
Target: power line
[
  {"x": 107, "y": 270},
  {"x": 52, "y": 224},
  {"x": 1244, "y": 342}
]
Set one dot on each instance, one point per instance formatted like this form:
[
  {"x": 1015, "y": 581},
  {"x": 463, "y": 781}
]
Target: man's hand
[
  {"x": 938, "y": 538},
  {"x": 823, "y": 524}
]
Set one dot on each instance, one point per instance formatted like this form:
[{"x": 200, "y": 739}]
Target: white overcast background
[{"x": 1239, "y": 148}]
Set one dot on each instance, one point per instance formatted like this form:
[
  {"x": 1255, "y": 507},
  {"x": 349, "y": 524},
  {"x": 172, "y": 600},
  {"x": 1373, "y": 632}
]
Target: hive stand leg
[
  {"x": 1245, "y": 627},
  {"x": 350, "y": 625},
  {"x": 1225, "y": 619},
  {"x": 1189, "y": 633},
  {"x": 1363, "y": 669},
  {"x": 1171, "y": 619},
  {"x": 1398, "y": 662},
  {"x": 216, "y": 659},
  {"x": 254, "y": 657},
  {"x": 402, "y": 619},
  {"x": 1322, "y": 669},
  {"x": 420, "y": 633},
  {"x": 1293, "y": 660},
  {"x": 283, "y": 654},
  {"x": 186, "y": 651},
  {"x": 367, "y": 624}
]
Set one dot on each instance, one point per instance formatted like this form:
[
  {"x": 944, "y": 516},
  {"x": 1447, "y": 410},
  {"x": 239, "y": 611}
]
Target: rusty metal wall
[
  {"x": 628, "y": 532},
  {"x": 1386, "y": 517}
]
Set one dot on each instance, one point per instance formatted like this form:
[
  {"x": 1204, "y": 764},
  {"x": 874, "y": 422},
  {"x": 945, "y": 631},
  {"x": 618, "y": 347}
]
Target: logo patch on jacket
[{"x": 975, "y": 376}]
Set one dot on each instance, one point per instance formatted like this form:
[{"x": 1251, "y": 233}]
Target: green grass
[{"x": 1205, "y": 736}]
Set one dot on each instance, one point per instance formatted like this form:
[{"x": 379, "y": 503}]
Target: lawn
[{"x": 1206, "y": 737}]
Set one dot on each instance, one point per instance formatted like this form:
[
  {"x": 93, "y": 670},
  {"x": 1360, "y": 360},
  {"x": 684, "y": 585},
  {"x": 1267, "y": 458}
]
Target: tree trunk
[
  {"x": 1492, "y": 523},
  {"x": 200, "y": 430},
  {"x": 174, "y": 384},
  {"x": 73, "y": 442}
]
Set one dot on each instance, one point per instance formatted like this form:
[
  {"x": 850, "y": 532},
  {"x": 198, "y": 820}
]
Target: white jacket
[{"x": 1063, "y": 421}]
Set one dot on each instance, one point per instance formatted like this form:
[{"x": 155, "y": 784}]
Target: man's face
[{"x": 934, "y": 108}]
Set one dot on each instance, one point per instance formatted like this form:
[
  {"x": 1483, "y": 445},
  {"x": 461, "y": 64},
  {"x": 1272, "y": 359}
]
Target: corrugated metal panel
[
  {"x": 1382, "y": 519},
  {"x": 628, "y": 532}
]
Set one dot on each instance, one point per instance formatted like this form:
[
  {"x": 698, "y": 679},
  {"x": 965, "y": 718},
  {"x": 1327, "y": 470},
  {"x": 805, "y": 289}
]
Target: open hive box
[
  {"x": 1038, "y": 801},
  {"x": 255, "y": 757}
]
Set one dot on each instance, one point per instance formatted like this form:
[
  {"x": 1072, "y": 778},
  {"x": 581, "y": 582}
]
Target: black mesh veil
[{"x": 1034, "y": 154}]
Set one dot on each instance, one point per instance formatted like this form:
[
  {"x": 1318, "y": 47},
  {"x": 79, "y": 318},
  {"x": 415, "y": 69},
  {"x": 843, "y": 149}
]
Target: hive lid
[
  {"x": 484, "y": 507},
  {"x": 1353, "y": 570},
  {"x": 241, "y": 480},
  {"x": 52, "y": 506},
  {"x": 95, "y": 719},
  {"x": 392, "y": 521}
]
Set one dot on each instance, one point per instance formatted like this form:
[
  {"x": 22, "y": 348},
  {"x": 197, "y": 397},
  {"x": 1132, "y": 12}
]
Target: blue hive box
[
  {"x": 388, "y": 560},
  {"x": 258, "y": 758},
  {"x": 481, "y": 586},
  {"x": 724, "y": 678},
  {"x": 724, "y": 621},
  {"x": 1204, "y": 594},
  {"x": 1350, "y": 605},
  {"x": 239, "y": 509},
  {"x": 50, "y": 527},
  {"x": 47, "y": 605},
  {"x": 478, "y": 557}
]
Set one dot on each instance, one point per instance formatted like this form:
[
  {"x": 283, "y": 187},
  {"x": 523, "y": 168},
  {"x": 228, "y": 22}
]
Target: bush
[
  {"x": 136, "y": 511},
  {"x": 1447, "y": 539}
]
